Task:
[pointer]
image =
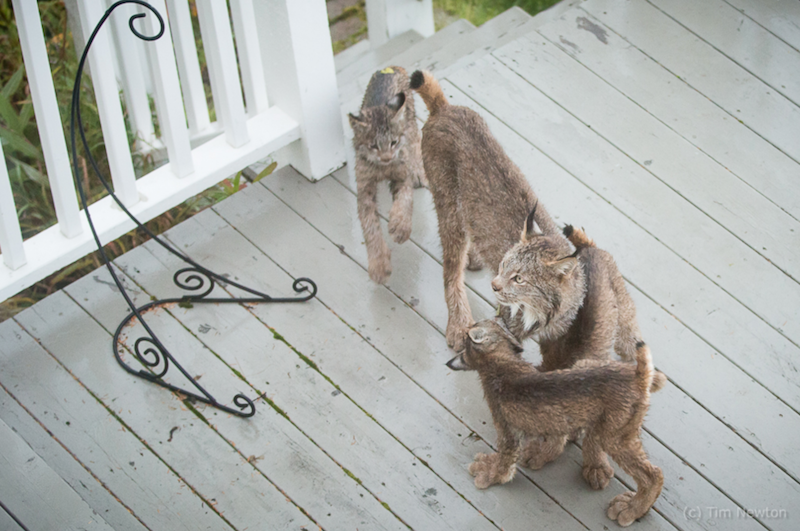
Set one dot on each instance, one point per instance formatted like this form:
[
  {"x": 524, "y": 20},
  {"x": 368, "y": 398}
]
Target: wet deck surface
[{"x": 667, "y": 129}]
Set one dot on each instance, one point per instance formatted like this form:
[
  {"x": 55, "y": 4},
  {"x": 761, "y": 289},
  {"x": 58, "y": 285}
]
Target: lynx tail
[
  {"x": 644, "y": 367},
  {"x": 578, "y": 238},
  {"x": 430, "y": 91}
]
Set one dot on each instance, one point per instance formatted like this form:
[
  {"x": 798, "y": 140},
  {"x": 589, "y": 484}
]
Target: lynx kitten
[{"x": 387, "y": 144}]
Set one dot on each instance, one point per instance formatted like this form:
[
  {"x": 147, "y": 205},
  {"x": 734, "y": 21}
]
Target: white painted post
[
  {"x": 194, "y": 96},
  {"x": 246, "y": 31},
  {"x": 48, "y": 118},
  {"x": 301, "y": 80},
  {"x": 128, "y": 49},
  {"x": 10, "y": 235},
  {"x": 389, "y": 18},
  {"x": 166, "y": 86},
  {"x": 215, "y": 25},
  {"x": 108, "y": 104}
]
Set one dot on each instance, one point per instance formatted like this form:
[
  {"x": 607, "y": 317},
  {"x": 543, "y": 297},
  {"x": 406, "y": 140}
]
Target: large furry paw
[
  {"x": 598, "y": 476},
  {"x": 380, "y": 268},
  {"x": 485, "y": 471},
  {"x": 626, "y": 508},
  {"x": 456, "y": 336},
  {"x": 400, "y": 228}
]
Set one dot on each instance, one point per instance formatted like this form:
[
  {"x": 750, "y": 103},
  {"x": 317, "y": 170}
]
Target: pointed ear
[
  {"x": 530, "y": 228},
  {"x": 396, "y": 103},
  {"x": 356, "y": 121},
  {"x": 564, "y": 265},
  {"x": 477, "y": 335}
]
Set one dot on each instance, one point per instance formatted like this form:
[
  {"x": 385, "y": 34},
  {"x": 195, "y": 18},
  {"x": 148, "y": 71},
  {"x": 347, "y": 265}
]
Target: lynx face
[
  {"x": 487, "y": 338},
  {"x": 379, "y": 132},
  {"x": 531, "y": 279}
]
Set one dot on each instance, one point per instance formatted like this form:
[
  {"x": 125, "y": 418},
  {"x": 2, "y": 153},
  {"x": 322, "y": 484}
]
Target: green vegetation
[{"x": 479, "y": 11}]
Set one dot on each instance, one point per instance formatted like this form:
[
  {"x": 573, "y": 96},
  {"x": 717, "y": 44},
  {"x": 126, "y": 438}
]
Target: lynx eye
[
  {"x": 394, "y": 143},
  {"x": 518, "y": 279},
  {"x": 374, "y": 146}
]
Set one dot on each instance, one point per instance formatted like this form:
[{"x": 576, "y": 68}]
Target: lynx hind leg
[
  {"x": 538, "y": 452},
  {"x": 630, "y": 506},
  {"x": 378, "y": 254},
  {"x": 402, "y": 209}
]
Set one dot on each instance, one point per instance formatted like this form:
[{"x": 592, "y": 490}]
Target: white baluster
[
  {"x": 10, "y": 235},
  {"x": 48, "y": 119},
  {"x": 169, "y": 104},
  {"x": 244, "y": 26},
  {"x": 298, "y": 57},
  {"x": 215, "y": 26},
  {"x": 108, "y": 104},
  {"x": 194, "y": 96},
  {"x": 128, "y": 49},
  {"x": 389, "y": 18}
]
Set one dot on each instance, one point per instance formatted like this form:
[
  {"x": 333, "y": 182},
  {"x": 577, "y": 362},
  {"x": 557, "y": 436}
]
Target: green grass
[{"x": 479, "y": 11}]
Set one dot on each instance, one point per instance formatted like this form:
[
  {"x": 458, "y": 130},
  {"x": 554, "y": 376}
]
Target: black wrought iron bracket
[{"x": 198, "y": 280}]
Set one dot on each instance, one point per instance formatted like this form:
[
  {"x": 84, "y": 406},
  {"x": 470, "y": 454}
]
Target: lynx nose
[{"x": 496, "y": 285}]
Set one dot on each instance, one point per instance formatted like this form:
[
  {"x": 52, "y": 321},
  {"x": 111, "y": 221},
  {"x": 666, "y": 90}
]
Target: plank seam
[
  {"x": 725, "y": 54},
  {"x": 122, "y": 422},
  {"x": 756, "y": 190},
  {"x": 71, "y": 454},
  {"x": 723, "y": 109},
  {"x": 743, "y": 12}
]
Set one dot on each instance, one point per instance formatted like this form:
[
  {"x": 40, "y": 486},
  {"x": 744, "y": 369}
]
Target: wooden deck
[{"x": 669, "y": 129}]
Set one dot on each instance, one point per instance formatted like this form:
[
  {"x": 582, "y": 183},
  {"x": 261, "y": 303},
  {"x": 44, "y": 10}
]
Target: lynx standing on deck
[
  {"x": 387, "y": 144},
  {"x": 608, "y": 400},
  {"x": 481, "y": 197}
]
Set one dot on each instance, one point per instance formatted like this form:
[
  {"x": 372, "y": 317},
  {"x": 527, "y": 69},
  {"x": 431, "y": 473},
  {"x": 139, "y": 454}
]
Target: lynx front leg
[
  {"x": 378, "y": 254},
  {"x": 402, "y": 209},
  {"x": 596, "y": 470},
  {"x": 496, "y": 468}
]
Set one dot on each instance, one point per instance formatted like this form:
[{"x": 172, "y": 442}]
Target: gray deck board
[
  {"x": 666, "y": 128},
  {"x": 90, "y": 489},
  {"x": 41, "y": 499},
  {"x": 742, "y": 95}
]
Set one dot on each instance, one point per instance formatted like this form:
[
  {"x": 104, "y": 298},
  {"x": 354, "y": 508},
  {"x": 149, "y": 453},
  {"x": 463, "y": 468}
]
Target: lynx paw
[
  {"x": 537, "y": 454},
  {"x": 400, "y": 228},
  {"x": 456, "y": 336},
  {"x": 485, "y": 470},
  {"x": 626, "y": 509},
  {"x": 598, "y": 476},
  {"x": 380, "y": 268}
]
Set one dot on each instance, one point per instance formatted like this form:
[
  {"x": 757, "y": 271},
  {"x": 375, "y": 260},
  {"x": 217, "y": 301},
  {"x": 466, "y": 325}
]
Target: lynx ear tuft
[
  {"x": 531, "y": 228},
  {"x": 396, "y": 102},
  {"x": 477, "y": 335},
  {"x": 564, "y": 265}
]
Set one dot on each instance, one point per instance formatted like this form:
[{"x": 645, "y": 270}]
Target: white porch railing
[{"x": 290, "y": 103}]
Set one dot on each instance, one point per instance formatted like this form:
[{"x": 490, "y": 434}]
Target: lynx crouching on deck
[
  {"x": 387, "y": 145},
  {"x": 481, "y": 197},
  {"x": 607, "y": 400}
]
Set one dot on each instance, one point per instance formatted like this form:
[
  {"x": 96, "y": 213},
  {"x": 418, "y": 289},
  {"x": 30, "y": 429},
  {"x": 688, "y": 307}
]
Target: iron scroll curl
[{"x": 198, "y": 281}]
